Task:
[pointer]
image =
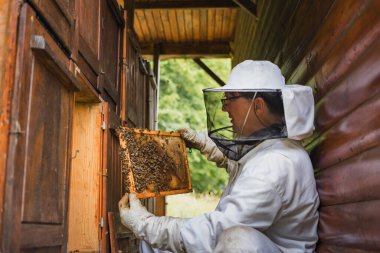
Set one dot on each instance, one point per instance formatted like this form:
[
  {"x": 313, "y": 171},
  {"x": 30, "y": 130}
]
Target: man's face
[{"x": 237, "y": 108}]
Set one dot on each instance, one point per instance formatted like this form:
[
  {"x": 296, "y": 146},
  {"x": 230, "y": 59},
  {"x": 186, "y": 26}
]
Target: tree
[{"x": 181, "y": 105}]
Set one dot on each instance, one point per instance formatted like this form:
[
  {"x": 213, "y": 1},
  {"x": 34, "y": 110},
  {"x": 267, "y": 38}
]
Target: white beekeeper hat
[{"x": 256, "y": 76}]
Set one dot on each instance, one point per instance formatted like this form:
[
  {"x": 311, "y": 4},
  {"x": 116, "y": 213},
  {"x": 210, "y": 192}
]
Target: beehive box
[{"x": 154, "y": 163}]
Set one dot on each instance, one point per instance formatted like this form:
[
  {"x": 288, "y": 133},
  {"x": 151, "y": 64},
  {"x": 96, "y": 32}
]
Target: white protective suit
[{"x": 271, "y": 189}]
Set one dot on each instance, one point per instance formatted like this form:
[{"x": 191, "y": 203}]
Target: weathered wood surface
[
  {"x": 85, "y": 178},
  {"x": 39, "y": 150},
  {"x": 333, "y": 47}
]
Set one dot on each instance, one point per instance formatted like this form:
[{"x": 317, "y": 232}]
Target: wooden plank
[
  {"x": 160, "y": 36},
  {"x": 167, "y": 26},
  {"x": 202, "y": 4},
  {"x": 173, "y": 25},
  {"x": 345, "y": 53},
  {"x": 356, "y": 86},
  {"x": 140, "y": 14},
  {"x": 196, "y": 25},
  {"x": 310, "y": 17},
  {"x": 353, "y": 225},
  {"x": 210, "y": 25},
  {"x": 84, "y": 202},
  {"x": 347, "y": 138},
  {"x": 209, "y": 71},
  {"x": 225, "y": 31},
  {"x": 138, "y": 29},
  {"x": 356, "y": 179},
  {"x": 203, "y": 24},
  {"x": 153, "y": 25},
  {"x": 188, "y": 25},
  {"x": 9, "y": 12},
  {"x": 181, "y": 25},
  {"x": 218, "y": 24},
  {"x": 113, "y": 234},
  {"x": 232, "y": 25},
  {"x": 342, "y": 17}
]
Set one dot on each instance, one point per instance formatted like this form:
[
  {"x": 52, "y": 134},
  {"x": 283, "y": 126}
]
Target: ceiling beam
[
  {"x": 247, "y": 5},
  {"x": 188, "y": 50},
  {"x": 209, "y": 71},
  {"x": 186, "y": 4}
]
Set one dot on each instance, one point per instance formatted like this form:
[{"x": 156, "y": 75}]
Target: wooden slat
[
  {"x": 181, "y": 25},
  {"x": 173, "y": 25},
  {"x": 203, "y": 24},
  {"x": 353, "y": 225},
  {"x": 167, "y": 25},
  {"x": 341, "y": 18},
  {"x": 210, "y": 25},
  {"x": 157, "y": 22},
  {"x": 358, "y": 85},
  {"x": 232, "y": 24},
  {"x": 140, "y": 15},
  {"x": 218, "y": 24},
  {"x": 154, "y": 25},
  {"x": 226, "y": 20},
  {"x": 356, "y": 179},
  {"x": 196, "y": 25},
  {"x": 310, "y": 16},
  {"x": 188, "y": 25},
  {"x": 348, "y": 138},
  {"x": 186, "y": 4}
]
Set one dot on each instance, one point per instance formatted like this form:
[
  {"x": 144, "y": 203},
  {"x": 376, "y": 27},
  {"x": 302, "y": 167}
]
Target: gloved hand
[
  {"x": 160, "y": 232},
  {"x": 132, "y": 213},
  {"x": 204, "y": 144},
  {"x": 192, "y": 138}
]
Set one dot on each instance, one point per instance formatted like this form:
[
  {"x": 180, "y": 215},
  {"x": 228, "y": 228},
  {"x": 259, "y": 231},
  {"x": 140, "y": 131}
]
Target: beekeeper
[{"x": 255, "y": 124}]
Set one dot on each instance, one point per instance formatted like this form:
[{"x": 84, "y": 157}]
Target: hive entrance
[{"x": 154, "y": 163}]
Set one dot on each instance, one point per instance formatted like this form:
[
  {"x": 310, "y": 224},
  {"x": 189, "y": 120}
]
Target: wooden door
[
  {"x": 38, "y": 164},
  {"x": 88, "y": 40},
  {"x": 112, "y": 37},
  {"x": 58, "y": 18},
  {"x": 111, "y": 171},
  {"x": 136, "y": 90}
]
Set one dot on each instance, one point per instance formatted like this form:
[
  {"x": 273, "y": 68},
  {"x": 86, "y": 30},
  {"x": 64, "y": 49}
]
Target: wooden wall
[
  {"x": 61, "y": 69},
  {"x": 333, "y": 47},
  {"x": 8, "y": 36}
]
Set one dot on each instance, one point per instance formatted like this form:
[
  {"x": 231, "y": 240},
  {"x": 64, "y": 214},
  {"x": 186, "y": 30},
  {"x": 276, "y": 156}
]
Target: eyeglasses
[{"x": 225, "y": 99}]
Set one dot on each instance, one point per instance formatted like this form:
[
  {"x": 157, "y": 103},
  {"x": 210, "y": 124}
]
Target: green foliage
[{"x": 181, "y": 105}]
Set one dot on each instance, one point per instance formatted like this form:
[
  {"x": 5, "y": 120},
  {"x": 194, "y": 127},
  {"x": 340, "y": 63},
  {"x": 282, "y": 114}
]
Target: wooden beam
[
  {"x": 129, "y": 5},
  {"x": 248, "y": 5},
  {"x": 188, "y": 50},
  {"x": 186, "y": 4},
  {"x": 209, "y": 71}
]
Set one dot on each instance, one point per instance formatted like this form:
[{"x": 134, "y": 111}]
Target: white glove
[
  {"x": 160, "y": 232},
  {"x": 204, "y": 144}
]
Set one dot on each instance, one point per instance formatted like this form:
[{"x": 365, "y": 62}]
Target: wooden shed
[{"x": 71, "y": 71}]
